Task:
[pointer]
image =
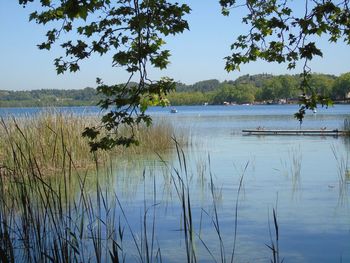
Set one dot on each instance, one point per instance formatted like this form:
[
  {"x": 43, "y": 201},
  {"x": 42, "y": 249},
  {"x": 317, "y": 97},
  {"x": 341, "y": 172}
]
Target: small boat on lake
[{"x": 173, "y": 110}]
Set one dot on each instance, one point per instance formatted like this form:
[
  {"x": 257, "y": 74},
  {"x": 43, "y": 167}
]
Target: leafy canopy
[
  {"x": 342, "y": 86},
  {"x": 278, "y": 33},
  {"x": 132, "y": 32}
]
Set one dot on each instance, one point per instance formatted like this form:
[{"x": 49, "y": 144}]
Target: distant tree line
[
  {"x": 261, "y": 88},
  {"x": 49, "y": 97}
]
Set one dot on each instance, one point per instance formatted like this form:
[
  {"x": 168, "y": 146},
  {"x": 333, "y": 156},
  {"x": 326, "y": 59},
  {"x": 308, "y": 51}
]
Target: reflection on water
[
  {"x": 310, "y": 223},
  {"x": 342, "y": 161},
  {"x": 307, "y": 176},
  {"x": 302, "y": 171}
]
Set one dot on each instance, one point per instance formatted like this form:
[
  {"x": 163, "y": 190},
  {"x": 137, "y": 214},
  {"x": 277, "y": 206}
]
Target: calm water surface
[{"x": 300, "y": 175}]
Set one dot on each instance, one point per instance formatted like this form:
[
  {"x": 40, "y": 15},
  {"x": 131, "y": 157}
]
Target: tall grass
[
  {"x": 274, "y": 239},
  {"x": 295, "y": 169},
  {"x": 346, "y": 126},
  {"x": 53, "y": 142},
  {"x": 343, "y": 174},
  {"x": 46, "y": 220}
]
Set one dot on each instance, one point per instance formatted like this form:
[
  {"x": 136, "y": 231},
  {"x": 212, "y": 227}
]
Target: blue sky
[{"x": 196, "y": 55}]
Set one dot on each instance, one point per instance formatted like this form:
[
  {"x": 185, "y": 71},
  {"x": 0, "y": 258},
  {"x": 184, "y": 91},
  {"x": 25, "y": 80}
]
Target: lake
[{"x": 304, "y": 179}]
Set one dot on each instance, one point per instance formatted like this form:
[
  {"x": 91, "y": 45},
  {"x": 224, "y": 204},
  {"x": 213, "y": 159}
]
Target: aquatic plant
[
  {"x": 343, "y": 174},
  {"x": 274, "y": 238},
  {"x": 46, "y": 220},
  {"x": 346, "y": 126},
  {"x": 295, "y": 169},
  {"x": 52, "y": 139}
]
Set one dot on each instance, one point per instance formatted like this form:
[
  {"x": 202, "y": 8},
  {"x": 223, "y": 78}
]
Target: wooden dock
[{"x": 320, "y": 132}]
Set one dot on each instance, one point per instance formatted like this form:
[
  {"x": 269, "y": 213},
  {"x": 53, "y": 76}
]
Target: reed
[
  {"x": 346, "y": 126},
  {"x": 46, "y": 220},
  {"x": 295, "y": 169},
  {"x": 41, "y": 221},
  {"x": 54, "y": 142},
  {"x": 343, "y": 172},
  {"x": 274, "y": 239}
]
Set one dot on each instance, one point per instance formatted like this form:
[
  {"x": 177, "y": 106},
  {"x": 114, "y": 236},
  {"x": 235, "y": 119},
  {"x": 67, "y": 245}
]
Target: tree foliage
[
  {"x": 278, "y": 33},
  {"x": 189, "y": 98},
  {"x": 257, "y": 80},
  {"x": 322, "y": 84},
  {"x": 240, "y": 93},
  {"x": 267, "y": 88},
  {"x": 50, "y": 97},
  {"x": 342, "y": 86},
  {"x": 260, "y": 88},
  {"x": 132, "y": 32}
]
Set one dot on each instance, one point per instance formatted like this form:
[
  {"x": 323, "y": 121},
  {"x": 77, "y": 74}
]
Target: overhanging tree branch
[{"x": 133, "y": 30}]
